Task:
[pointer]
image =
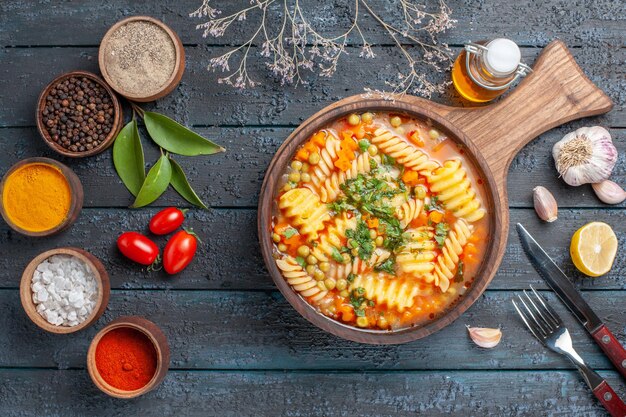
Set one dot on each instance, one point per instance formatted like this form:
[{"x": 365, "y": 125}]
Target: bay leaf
[
  {"x": 176, "y": 138},
  {"x": 181, "y": 185},
  {"x": 155, "y": 184},
  {"x": 128, "y": 157}
]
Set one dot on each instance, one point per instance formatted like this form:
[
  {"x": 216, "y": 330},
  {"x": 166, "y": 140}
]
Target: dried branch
[{"x": 295, "y": 45}]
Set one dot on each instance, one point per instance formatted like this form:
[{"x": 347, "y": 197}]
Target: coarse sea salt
[{"x": 64, "y": 290}]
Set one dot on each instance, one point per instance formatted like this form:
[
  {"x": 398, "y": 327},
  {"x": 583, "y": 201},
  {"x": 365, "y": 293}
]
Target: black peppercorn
[{"x": 76, "y": 113}]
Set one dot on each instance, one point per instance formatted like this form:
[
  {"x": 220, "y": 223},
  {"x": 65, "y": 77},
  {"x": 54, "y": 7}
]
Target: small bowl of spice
[
  {"x": 78, "y": 114},
  {"x": 40, "y": 197},
  {"x": 128, "y": 357},
  {"x": 64, "y": 290},
  {"x": 141, "y": 58}
]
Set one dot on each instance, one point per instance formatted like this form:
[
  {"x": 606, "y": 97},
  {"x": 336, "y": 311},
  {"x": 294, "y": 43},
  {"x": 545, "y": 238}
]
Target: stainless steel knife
[{"x": 565, "y": 290}]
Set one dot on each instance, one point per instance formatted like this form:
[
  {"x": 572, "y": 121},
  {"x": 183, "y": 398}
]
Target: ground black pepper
[{"x": 78, "y": 114}]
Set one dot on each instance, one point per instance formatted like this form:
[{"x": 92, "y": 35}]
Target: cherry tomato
[
  {"x": 138, "y": 248},
  {"x": 179, "y": 251},
  {"x": 166, "y": 221}
]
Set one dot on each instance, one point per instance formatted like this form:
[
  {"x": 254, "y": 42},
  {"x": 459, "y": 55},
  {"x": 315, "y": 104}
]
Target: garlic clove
[
  {"x": 584, "y": 156},
  {"x": 545, "y": 204},
  {"x": 609, "y": 192},
  {"x": 485, "y": 337}
]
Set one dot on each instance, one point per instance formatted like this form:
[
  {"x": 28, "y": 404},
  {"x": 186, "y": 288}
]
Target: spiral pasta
[
  {"x": 302, "y": 282},
  {"x": 328, "y": 156},
  {"x": 417, "y": 257},
  {"x": 332, "y": 184},
  {"x": 448, "y": 261},
  {"x": 454, "y": 189},
  {"x": 409, "y": 211},
  {"x": 306, "y": 211},
  {"x": 334, "y": 238},
  {"x": 394, "y": 292},
  {"x": 403, "y": 152}
]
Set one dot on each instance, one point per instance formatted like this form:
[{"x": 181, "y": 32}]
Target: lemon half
[{"x": 593, "y": 248}]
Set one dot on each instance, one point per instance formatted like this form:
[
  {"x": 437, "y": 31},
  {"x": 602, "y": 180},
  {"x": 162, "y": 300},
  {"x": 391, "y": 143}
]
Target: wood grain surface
[{"x": 238, "y": 348}]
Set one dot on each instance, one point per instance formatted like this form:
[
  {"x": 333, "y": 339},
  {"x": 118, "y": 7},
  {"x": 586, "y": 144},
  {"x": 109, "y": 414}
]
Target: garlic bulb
[
  {"x": 585, "y": 156},
  {"x": 485, "y": 337},
  {"x": 609, "y": 192}
]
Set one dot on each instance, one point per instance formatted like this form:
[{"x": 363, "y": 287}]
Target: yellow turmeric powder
[{"x": 36, "y": 197}]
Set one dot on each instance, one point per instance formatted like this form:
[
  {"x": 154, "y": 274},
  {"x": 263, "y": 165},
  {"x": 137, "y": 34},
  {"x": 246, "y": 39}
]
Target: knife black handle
[{"x": 612, "y": 348}]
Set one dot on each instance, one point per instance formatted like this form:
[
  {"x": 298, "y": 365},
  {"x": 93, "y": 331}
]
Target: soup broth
[{"x": 380, "y": 221}]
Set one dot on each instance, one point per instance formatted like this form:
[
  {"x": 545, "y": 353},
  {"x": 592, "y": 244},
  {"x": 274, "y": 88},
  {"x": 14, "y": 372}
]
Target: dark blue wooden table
[{"x": 237, "y": 347}]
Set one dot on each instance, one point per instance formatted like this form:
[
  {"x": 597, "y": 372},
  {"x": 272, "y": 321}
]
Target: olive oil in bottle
[{"x": 485, "y": 70}]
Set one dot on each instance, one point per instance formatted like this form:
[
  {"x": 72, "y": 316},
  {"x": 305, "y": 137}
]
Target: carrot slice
[
  {"x": 343, "y": 164},
  {"x": 435, "y": 216},
  {"x": 302, "y": 155},
  {"x": 372, "y": 222},
  {"x": 414, "y": 136},
  {"x": 319, "y": 138},
  {"x": 410, "y": 178}
]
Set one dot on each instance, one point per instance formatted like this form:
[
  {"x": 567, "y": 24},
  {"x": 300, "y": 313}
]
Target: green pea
[
  {"x": 282, "y": 247},
  {"x": 314, "y": 158},
  {"x": 319, "y": 275},
  {"x": 434, "y": 134},
  {"x": 379, "y": 241},
  {"x": 342, "y": 284},
  {"x": 329, "y": 283},
  {"x": 346, "y": 258},
  {"x": 395, "y": 121},
  {"x": 305, "y": 167},
  {"x": 354, "y": 120},
  {"x": 304, "y": 251},
  {"x": 296, "y": 165},
  {"x": 311, "y": 260},
  {"x": 305, "y": 177},
  {"x": 321, "y": 286},
  {"x": 420, "y": 192},
  {"x": 373, "y": 234},
  {"x": 367, "y": 117},
  {"x": 310, "y": 269},
  {"x": 344, "y": 294},
  {"x": 294, "y": 176},
  {"x": 276, "y": 238},
  {"x": 355, "y": 252},
  {"x": 372, "y": 150},
  {"x": 325, "y": 266},
  {"x": 362, "y": 322}
]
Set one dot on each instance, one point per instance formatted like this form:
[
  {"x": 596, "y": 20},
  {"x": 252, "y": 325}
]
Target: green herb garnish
[
  {"x": 351, "y": 277},
  {"x": 336, "y": 255},
  {"x": 364, "y": 144},
  {"x": 434, "y": 204},
  {"x": 361, "y": 235},
  {"x": 340, "y": 205},
  {"x": 300, "y": 260},
  {"x": 387, "y": 160},
  {"x": 357, "y": 300},
  {"x": 441, "y": 233},
  {"x": 394, "y": 236},
  {"x": 387, "y": 266},
  {"x": 289, "y": 232}
]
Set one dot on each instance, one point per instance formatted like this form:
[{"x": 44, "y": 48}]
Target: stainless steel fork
[{"x": 548, "y": 328}]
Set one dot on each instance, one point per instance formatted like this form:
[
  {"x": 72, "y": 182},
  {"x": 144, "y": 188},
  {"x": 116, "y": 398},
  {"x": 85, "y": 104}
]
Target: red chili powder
[{"x": 126, "y": 358}]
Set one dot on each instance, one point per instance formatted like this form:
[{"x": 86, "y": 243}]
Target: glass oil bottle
[{"x": 485, "y": 70}]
